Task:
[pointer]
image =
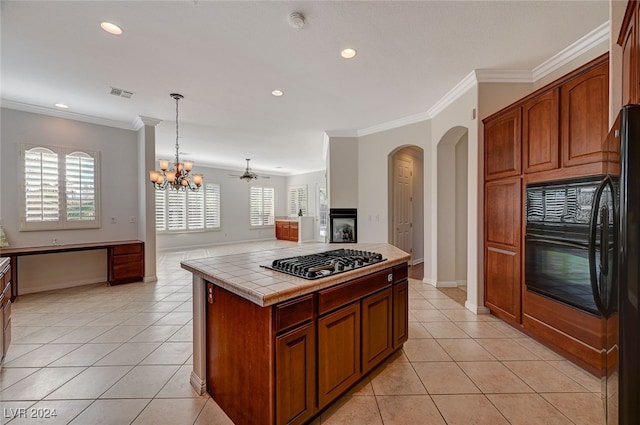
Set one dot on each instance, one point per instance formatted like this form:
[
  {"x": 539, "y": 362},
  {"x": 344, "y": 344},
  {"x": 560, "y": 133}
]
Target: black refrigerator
[{"x": 614, "y": 261}]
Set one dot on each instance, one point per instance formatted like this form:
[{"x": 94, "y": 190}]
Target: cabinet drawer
[
  {"x": 332, "y": 298},
  {"x": 294, "y": 312},
  {"x": 6, "y": 314},
  {"x": 7, "y": 289},
  {"x": 121, "y": 260},
  {"x": 400, "y": 272},
  {"x": 127, "y": 249}
]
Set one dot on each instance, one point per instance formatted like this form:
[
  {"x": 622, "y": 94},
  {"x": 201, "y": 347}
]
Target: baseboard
[
  {"x": 461, "y": 282},
  {"x": 476, "y": 309},
  {"x": 148, "y": 279},
  {"x": 429, "y": 281},
  {"x": 446, "y": 284},
  {"x": 208, "y": 245},
  {"x": 416, "y": 261},
  {"x": 32, "y": 289},
  {"x": 198, "y": 384}
]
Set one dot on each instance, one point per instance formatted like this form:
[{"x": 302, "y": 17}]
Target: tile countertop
[{"x": 243, "y": 275}]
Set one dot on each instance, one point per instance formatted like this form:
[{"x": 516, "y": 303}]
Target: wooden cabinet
[
  {"x": 5, "y": 307},
  {"x": 287, "y": 230},
  {"x": 338, "y": 352},
  {"x": 584, "y": 111},
  {"x": 282, "y": 364},
  {"x": 125, "y": 263},
  {"x": 296, "y": 375},
  {"x": 540, "y": 135},
  {"x": 502, "y": 145},
  {"x": 629, "y": 40},
  {"x": 503, "y": 211}
]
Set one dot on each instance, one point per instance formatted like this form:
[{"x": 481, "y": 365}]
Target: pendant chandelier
[{"x": 179, "y": 177}]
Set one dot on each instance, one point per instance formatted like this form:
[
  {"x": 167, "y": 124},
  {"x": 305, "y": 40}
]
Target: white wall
[
  {"x": 373, "y": 188},
  {"x": 462, "y": 179},
  {"x": 234, "y": 205},
  {"x": 118, "y": 162},
  {"x": 314, "y": 181},
  {"x": 344, "y": 174}
]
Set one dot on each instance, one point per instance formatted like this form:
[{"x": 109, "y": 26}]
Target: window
[
  {"x": 183, "y": 210},
  {"x": 60, "y": 189},
  {"x": 262, "y": 210},
  {"x": 297, "y": 200}
]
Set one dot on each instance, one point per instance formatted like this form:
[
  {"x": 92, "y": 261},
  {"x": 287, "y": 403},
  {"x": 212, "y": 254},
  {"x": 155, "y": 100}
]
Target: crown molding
[
  {"x": 589, "y": 41},
  {"x": 504, "y": 76},
  {"x": 400, "y": 122},
  {"x": 42, "y": 110},
  {"x": 341, "y": 133},
  {"x": 140, "y": 121},
  {"x": 458, "y": 90}
]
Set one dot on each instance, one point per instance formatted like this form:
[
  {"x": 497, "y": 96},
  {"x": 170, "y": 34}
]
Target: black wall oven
[{"x": 560, "y": 219}]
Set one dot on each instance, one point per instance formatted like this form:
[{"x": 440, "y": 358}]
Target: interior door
[{"x": 403, "y": 203}]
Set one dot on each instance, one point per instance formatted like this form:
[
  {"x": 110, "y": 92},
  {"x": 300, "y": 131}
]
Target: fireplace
[{"x": 343, "y": 225}]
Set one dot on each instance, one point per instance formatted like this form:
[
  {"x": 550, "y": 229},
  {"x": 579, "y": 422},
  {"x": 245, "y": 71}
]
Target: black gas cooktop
[{"x": 322, "y": 264}]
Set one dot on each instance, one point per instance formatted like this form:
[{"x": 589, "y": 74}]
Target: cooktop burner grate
[{"x": 322, "y": 264}]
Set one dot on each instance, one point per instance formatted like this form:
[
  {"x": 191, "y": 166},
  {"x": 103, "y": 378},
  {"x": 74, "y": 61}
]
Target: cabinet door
[
  {"x": 503, "y": 211},
  {"x": 540, "y": 133},
  {"x": 502, "y": 145},
  {"x": 296, "y": 375},
  {"x": 400, "y": 313},
  {"x": 338, "y": 352},
  {"x": 293, "y": 232},
  {"x": 584, "y": 109},
  {"x": 377, "y": 328}
]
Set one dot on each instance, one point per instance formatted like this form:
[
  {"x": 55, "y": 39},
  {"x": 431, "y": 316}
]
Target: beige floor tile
[
  {"x": 56, "y": 412},
  {"x": 163, "y": 306},
  {"x": 427, "y": 316},
  {"x": 183, "y": 411},
  {"x": 494, "y": 377},
  {"x": 170, "y": 353},
  {"x": 185, "y": 306},
  {"x": 538, "y": 349},
  {"x": 17, "y": 350},
  {"x": 444, "y": 378},
  {"x": 480, "y": 329},
  {"x": 20, "y": 332},
  {"x": 396, "y": 378},
  {"x": 10, "y": 376},
  {"x": 90, "y": 383},
  {"x": 136, "y": 306},
  {"x": 85, "y": 355},
  {"x": 112, "y": 319},
  {"x": 409, "y": 410},
  {"x": 445, "y": 330},
  {"x": 179, "y": 386},
  {"x": 465, "y": 350},
  {"x": 506, "y": 349},
  {"x": 175, "y": 318},
  {"x": 156, "y": 333},
  {"x": 141, "y": 382},
  {"x": 39, "y": 384},
  {"x": 45, "y": 335},
  {"x": 469, "y": 409},
  {"x": 363, "y": 387},
  {"x": 213, "y": 414},
  {"x": 445, "y": 304},
  {"x": 129, "y": 354},
  {"x": 12, "y": 410},
  {"x": 43, "y": 356},
  {"x": 144, "y": 318},
  {"x": 590, "y": 382},
  {"x": 119, "y": 334},
  {"x": 79, "y": 319},
  {"x": 83, "y": 335},
  {"x": 424, "y": 350},
  {"x": 543, "y": 377},
  {"x": 527, "y": 409},
  {"x": 418, "y": 331},
  {"x": 420, "y": 304},
  {"x": 463, "y": 315},
  {"x": 353, "y": 410},
  {"x": 111, "y": 412},
  {"x": 583, "y": 409}
]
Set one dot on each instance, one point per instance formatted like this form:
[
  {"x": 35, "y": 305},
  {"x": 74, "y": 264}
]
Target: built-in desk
[{"x": 125, "y": 259}]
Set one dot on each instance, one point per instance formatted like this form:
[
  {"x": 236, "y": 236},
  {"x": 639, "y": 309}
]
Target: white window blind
[
  {"x": 60, "y": 189},
  {"x": 298, "y": 196},
  {"x": 261, "y": 206},
  {"x": 188, "y": 211}
]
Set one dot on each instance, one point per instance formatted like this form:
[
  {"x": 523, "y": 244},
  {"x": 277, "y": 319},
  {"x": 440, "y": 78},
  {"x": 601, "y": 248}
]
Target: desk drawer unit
[{"x": 125, "y": 263}]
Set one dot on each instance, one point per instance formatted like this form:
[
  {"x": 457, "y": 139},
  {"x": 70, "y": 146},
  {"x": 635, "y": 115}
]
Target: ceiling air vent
[{"x": 121, "y": 93}]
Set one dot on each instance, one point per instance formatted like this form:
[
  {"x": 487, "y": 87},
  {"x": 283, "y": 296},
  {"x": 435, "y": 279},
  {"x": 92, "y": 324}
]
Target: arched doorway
[
  {"x": 452, "y": 209},
  {"x": 406, "y": 201}
]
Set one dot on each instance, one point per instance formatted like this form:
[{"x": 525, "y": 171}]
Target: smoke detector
[{"x": 296, "y": 20}]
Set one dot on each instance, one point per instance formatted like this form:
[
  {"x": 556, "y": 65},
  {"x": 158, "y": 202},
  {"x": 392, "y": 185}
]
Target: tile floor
[{"x": 122, "y": 355}]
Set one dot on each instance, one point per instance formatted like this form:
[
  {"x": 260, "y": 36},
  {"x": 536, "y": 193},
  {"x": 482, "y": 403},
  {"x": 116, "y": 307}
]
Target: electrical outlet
[
  {"x": 113, "y": 220},
  {"x": 132, "y": 219}
]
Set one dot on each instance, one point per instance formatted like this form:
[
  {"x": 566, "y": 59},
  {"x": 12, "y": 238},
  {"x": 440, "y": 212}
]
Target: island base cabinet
[
  {"x": 338, "y": 352},
  {"x": 296, "y": 375},
  {"x": 376, "y": 328},
  {"x": 400, "y": 313}
]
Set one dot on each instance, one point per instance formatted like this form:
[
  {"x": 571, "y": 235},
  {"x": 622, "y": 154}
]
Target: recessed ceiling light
[
  {"x": 111, "y": 28},
  {"x": 277, "y": 93},
  {"x": 62, "y": 105},
  {"x": 348, "y": 53}
]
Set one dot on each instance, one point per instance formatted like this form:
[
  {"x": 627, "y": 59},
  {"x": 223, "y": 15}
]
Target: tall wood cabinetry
[
  {"x": 554, "y": 133},
  {"x": 629, "y": 40}
]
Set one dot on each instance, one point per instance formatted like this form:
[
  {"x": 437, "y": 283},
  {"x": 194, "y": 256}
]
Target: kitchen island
[{"x": 272, "y": 348}]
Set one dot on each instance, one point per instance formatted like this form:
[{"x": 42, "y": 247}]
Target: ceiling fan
[{"x": 248, "y": 175}]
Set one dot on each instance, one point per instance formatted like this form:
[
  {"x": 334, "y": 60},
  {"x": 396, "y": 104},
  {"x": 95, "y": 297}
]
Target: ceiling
[{"x": 226, "y": 57}]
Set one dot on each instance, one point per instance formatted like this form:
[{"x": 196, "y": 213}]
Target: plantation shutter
[
  {"x": 268, "y": 214},
  {"x": 42, "y": 200},
  {"x": 255, "y": 206},
  {"x": 298, "y": 200},
  {"x": 212, "y": 205},
  {"x": 177, "y": 210},
  {"x": 161, "y": 210},
  {"x": 80, "y": 186},
  {"x": 196, "y": 210}
]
